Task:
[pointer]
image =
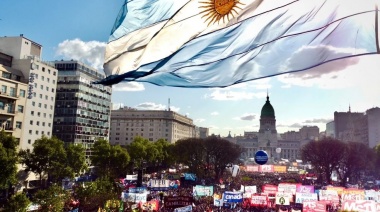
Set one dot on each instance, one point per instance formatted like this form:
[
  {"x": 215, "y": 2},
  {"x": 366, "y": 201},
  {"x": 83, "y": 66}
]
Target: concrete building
[
  {"x": 330, "y": 129},
  {"x": 347, "y": 125},
  {"x": 127, "y": 123},
  {"x": 12, "y": 101},
  {"x": 267, "y": 139},
  {"x": 201, "y": 132},
  {"x": 41, "y": 77},
  {"x": 373, "y": 121},
  {"x": 82, "y": 114}
]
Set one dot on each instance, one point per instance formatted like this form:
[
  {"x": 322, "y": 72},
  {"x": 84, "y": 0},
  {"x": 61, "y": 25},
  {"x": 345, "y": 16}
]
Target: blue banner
[
  {"x": 230, "y": 196},
  {"x": 137, "y": 190},
  {"x": 190, "y": 176}
]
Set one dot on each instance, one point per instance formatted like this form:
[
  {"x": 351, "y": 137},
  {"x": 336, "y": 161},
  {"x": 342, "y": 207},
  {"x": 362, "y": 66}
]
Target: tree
[
  {"x": 52, "y": 199},
  {"x": 325, "y": 155},
  {"x": 190, "y": 151},
  {"x": 165, "y": 157},
  {"x": 112, "y": 161},
  {"x": 93, "y": 195},
  {"x": 76, "y": 158},
  {"x": 8, "y": 160},
  {"x": 48, "y": 157},
  {"x": 220, "y": 153},
  {"x": 358, "y": 157},
  {"x": 18, "y": 203},
  {"x": 139, "y": 151}
]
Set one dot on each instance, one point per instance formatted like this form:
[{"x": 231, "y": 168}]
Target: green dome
[{"x": 267, "y": 110}]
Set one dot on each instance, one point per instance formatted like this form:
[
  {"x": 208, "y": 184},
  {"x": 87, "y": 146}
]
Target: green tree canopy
[
  {"x": 50, "y": 157},
  {"x": 52, "y": 199},
  {"x": 111, "y": 161},
  {"x": 18, "y": 203},
  {"x": 8, "y": 160},
  {"x": 325, "y": 155}
]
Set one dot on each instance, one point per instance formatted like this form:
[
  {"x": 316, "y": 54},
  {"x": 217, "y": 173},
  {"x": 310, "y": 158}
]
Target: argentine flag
[{"x": 218, "y": 43}]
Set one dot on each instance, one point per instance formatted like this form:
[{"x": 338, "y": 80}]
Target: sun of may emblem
[{"x": 216, "y": 10}]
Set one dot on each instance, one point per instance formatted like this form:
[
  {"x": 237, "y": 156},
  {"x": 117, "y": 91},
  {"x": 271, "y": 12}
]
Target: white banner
[
  {"x": 131, "y": 177},
  {"x": 300, "y": 197},
  {"x": 287, "y": 188},
  {"x": 283, "y": 198},
  {"x": 359, "y": 205}
]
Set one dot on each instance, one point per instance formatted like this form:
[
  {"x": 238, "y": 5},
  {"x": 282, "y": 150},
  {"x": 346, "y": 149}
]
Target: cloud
[
  {"x": 90, "y": 53},
  {"x": 246, "y": 117},
  {"x": 228, "y": 95},
  {"x": 320, "y": 120},
  {"x": 215, "y": 113},
  {"x": 128, "y": 86},
  {"x": 199, "y": 120},
  {"x": 154, "y": 106}
]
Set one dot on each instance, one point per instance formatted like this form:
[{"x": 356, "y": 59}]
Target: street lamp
[{"x": 278, "y": 151}]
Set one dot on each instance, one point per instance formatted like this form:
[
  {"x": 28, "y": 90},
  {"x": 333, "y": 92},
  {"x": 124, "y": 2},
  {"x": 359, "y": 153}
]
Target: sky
[{"x": 80, "y": 29}]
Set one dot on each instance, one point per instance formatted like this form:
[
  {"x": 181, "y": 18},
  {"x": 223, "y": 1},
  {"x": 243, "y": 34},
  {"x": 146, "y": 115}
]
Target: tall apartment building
[
  {"x": 41, "y": 77},
  {"x": 12, "y": 101},
  {"x": 127, "y": 123},
  {"x": 82, "y": 114}
]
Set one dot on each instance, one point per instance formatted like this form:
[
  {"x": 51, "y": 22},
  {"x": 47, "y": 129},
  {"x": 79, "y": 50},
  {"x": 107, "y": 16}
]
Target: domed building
[{"x": 266, "y": 139}]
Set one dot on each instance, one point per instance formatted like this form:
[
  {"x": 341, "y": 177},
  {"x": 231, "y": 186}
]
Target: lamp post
[{"x": 278, "y": 151}]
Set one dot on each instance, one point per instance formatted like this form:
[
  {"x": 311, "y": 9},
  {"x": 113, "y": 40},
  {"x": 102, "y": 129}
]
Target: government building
[{"x": 279, "y": 148}]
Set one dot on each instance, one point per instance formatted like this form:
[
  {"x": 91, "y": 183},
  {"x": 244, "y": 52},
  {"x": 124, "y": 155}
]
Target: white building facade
[{"x": 128, "y": 123}]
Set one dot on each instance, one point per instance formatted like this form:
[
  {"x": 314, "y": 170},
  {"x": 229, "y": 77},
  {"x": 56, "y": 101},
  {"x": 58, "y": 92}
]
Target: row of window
[
  {"x": 40, "y": 105},
  {"x": 39, "y": 114},
  {"x": 38, "y": 132},
  {"x": 38, "y": 123},
  {"x": 12, "y": 91},
  {"x": 43, "y": 79},
  {"x": 42, "y": 87}
]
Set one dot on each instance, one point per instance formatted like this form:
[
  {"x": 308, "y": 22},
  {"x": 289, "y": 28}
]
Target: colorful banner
[
  {"x": 250, "y": 168},
  {"x": 131, "y": 177},
  {"x": 283, "y": 198},
  {"x": 301, "y": 197},
  {"x": 353, "y": 194},
  {"x": 329, "y": 195},
  {"x": 269, "y": 189},
  {"x": 279, "y": 169},
  {"x": 266, "y": 168},
  {"x": 177, "y": 201},
  {"x": 159, "y": 185},
  {"x": 137, "y": 190},
  {"x": 133, "y": 197},
  {"x": 152, "y": 205},
  {"x": 232, "y": 196},
  {"x": 188, "y": 208},
  {"x": 190, "y": 176},
  {"x": 337, "y": 189},
  {"x": 314, "y": 206},
  {"x": 359, "y": 205},
  {"x": 304, "y": 188},
  {"x": 199, "y": 190},
  {"x": 218, "y": 200},
  {"x": 287, "y": 187},
  {"x": 259, "y": 200},
  {"x": 248, "y": 190}
]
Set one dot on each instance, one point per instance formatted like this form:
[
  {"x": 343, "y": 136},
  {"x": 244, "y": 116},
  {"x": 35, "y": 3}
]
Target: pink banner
[
  {"x": 304, "y": 188},
  {"x": 314, "y": 206},
  {"x": 359, "y": 205},
  {"x": 266, "y": 168},
  {"x": 252, "y": 168},
  {"x": 269, "y": 189}
]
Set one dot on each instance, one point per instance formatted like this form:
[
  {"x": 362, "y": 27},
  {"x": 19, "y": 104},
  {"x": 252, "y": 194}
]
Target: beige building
[
  {"x": 42, "y": 80},
  {"x": 12, "y": 101},
  {"x": 128, "y": 123}
]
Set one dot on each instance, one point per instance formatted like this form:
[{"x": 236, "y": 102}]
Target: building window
[
  {"x": 38, "y": 123},
  {"x": 36, "y": 132},
  {"x": 47, "y": 88},
  {"x": 29, "y": 141},
  {"x": 49, "y": 124},
  {"x": 40, "y": 96},
  {"x": 45, "y": 106},
  {"x": 48, "y": 133},
  {"x": 54, "y": 73},
  {"x": 43, "y": 124},
  {"x": 42, "y": 78},
  {"x": 30, "y": 132},
  {"x": 18, "y": 124},
  {"x": 22, "y": 93},
  {"x": 51, "y": 107},
  {"x": 3, "y": 89},
  {"x": 32, "y": 113},
  {"x": 43, "y": 69},
  {"x": 47, "y": 79},
  {"x": 12, "y": 91},
  {"x": 33, "y": 103},
  {"x": 53, "y": 81},
  {"x": 31, "y": 122},
  {"x": 39, "y": 104},
  {"x": 44, "y": 115},
  {"x": 42, "y": 87},
  {"x": 20, "y": 108},
  {"x": 38, "y": 114},
  {"x": 46, "y": 97}
]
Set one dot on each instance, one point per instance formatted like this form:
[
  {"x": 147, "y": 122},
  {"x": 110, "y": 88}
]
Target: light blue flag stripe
[
  {"x": 232, "y": 55},
  {"x": 144, "y": 14}
]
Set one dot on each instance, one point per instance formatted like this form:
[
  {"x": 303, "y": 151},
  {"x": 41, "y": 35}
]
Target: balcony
[
  {"x": 9, "y": 95},
  {"x": 8, "y": 111}
]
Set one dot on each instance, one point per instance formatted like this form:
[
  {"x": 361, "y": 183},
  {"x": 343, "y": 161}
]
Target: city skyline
[{"x": 67, "y": 31}]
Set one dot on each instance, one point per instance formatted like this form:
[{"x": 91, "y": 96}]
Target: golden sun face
[{"x": 216, "y": 10}]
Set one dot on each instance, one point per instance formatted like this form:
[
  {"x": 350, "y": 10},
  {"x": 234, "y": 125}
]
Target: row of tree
[{"x": 349, "y": 160}]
